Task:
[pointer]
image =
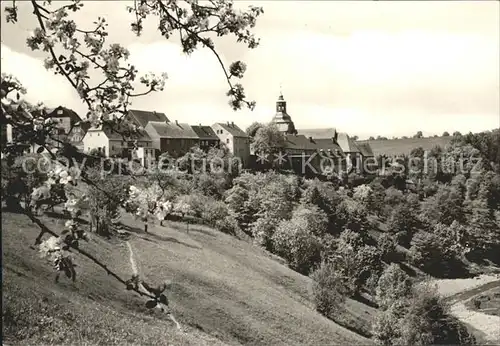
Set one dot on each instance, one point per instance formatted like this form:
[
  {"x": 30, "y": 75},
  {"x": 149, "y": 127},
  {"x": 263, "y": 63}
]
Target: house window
[
  {"x": 227, "y": 140},
  {"x": 97, "y": 133}
]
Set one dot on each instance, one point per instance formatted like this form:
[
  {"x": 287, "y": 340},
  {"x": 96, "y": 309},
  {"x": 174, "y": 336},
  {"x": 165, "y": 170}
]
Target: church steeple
[
  {"x": 281, "y": 118},
  {"x": 281, "y": 104}
]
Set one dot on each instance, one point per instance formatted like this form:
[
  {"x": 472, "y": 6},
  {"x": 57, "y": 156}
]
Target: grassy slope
[{"x": 223, "y": 290}]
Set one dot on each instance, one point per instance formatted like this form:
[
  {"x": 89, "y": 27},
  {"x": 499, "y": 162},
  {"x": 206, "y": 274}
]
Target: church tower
[{"x": 281, "y": 119}]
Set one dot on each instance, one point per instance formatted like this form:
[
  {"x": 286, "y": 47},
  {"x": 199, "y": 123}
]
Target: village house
[
  {"x": 117, "y": 142},
  {"x": 113, "y": 143},
  {"x": 173, "y": 138},
  {"x": 68, "y": 128},
  {"x": 235, "y": 139},
  {"x": 207, "y": 137}
]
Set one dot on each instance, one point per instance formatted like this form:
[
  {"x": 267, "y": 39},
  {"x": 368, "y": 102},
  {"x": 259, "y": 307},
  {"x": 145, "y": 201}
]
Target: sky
[{"x": 368, "y": 68}]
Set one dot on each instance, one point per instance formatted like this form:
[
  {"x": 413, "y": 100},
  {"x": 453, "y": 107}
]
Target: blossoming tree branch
[{"x": 73, "y": 51}]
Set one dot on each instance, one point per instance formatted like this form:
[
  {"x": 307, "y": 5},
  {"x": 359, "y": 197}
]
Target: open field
[
  {"x": 404, "y": 146},
  {"x": 223, "y": 291}
]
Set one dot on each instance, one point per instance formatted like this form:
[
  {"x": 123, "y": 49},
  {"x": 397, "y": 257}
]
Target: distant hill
[{"x": 404, "y": 146}]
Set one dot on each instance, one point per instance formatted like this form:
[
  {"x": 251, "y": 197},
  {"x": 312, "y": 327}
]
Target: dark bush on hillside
[
  {"x": 355, "y": 262},
  {"x": 420, "y": 319},
  {"x": 210, "y": 185},
  {"x": 355, "y": 214},
  {"x": 311, "y": 218},
  {"x": 213, "y": 211},
  {"x": 435, "y": 253},
  {"x": 263, "y": 230},
  {"x": 294, "y": 241},
  {"x": 393, "y": 197},
  {"x": 404, "y": 221},
  {"x": 386, "y": 243},
  {"x": 328, "y": 292},
  {"x": 394, "y": 284},
  {"x": 227, "y": 225},
  {"x": 445, "y": 206}
]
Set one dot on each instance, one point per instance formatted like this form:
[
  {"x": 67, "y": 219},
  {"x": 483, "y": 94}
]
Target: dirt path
[
  {"x": 135, "y": 270},
  {"x": 487, "y": 324},
  {"x": 460, "y": 291}
]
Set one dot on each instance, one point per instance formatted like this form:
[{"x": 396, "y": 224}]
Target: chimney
[
  {"x": 200, "y": 124},
  {"x": 232, "y": 123},
  {"x": 228, "y": 123},
  {"x": 310, "y": 139},
  {"x": 176, "y": 122}
]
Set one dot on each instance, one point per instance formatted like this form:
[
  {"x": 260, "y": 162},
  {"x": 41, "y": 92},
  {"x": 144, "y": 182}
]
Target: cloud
[
  {"x": 41, "y": 85},
  {"x": 374, "y": 68},
  {"x": 382, "y": 80}
]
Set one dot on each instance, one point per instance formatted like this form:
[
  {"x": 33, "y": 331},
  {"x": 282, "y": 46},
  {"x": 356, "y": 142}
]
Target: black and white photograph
[{"x": 238, "y": 172}]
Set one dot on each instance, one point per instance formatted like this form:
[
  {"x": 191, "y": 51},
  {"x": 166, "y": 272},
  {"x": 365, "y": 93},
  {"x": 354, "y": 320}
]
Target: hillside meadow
[{"x": 222, "y": 291}]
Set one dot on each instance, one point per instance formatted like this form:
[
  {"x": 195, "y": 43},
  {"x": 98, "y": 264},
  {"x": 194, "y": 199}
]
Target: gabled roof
[
  {"x": 301, "y": 142},
  {"x": 61, "y": 111},
  {"x": 173, "y": 130},
  {"x": 233, "y": 130},
  {"x": 144, "y": 117},
  {"x": 318, "y": 133},
  {"x": 205, "y": 132},
  {"x": 347, "y": 144},
  {"x": 327, "y": 144},
  {"x": 121, "y": 133},
  {"x": 366, "y": 149}
]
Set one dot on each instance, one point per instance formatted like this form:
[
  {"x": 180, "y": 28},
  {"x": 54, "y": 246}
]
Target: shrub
[
  {"x": 262, "y": 231},
  {"x": 393, "y": 197},
  {"x": 355, "y": 262},
  {"x": 227, "y": 225},
  {"x": 393, "y": 284},
  {"x": 327, "y": 290},
  {"x": 445, "y": 206},
  {"x": 355, "y": 215},
  {"x": 435, "y": 253},
  {"x": 403, "y": 223},
  {"x": 420, "y": 319},
  {"x": 195, "y": 201},
  {"x": 213, "y": 211},
  {"x": 387, "y": 245},
  {"x": 312, "y": 218},
  {"x": 210, "y": 184},
  {"x": 294, "y": 242}
]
